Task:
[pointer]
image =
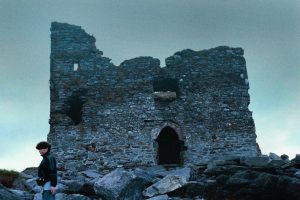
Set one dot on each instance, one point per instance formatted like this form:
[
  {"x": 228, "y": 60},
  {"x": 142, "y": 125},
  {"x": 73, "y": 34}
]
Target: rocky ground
[{"x": 224, "y": 178}]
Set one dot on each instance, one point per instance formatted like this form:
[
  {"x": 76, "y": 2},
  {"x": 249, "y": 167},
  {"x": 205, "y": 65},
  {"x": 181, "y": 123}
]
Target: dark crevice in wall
[
  {"x": 75, "y": 104},
  {"x": 75, "y": 111},
  {"x": 166, "y": 85}
]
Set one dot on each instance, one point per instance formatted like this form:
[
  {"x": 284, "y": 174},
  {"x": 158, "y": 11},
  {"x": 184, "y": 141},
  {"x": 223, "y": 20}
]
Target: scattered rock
[
  {"x": 165, "y": 185},
  {"x": 285, "y": 157},
  {"x": 183, "y": 172},
  {"x": 23, "y": 194},
  {"x": 30, "y": 171},
  {"x": 91, "y": 174},
  {"x": 296, "y": 161},
  {"x": 60, "y": 196},
  {"x": 120, "y": 184},
  {"x": 148, "y": 177},
  {"x": 261, "y": 161},
  {"x": 247, "y": 178},
  {"x": 276, "y": 163},
  {"x": 61, "y": 188},
  {"x": 297, "y": 174},
  {"x": 31, "y": 185},
  {"x": 274, "y": 156},
  {"x": 38, "y": 196},
  {"x": 6, "y": 194},
  {"x": 158, "y": 170},
  {"x": 297, "y": 158},
  {"x": 160, "y": 197},
  {"x": 77, "y": 197},
  {"x": 74, "y": 186}
]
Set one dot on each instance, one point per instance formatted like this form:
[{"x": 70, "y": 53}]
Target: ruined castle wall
[
  {"x": 214, "y": 102},
  {"x": 104, "y": 115}
]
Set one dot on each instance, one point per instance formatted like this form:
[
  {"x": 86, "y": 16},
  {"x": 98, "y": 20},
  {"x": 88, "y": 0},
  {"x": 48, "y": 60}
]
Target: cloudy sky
[{"x": 268, "y": 31}]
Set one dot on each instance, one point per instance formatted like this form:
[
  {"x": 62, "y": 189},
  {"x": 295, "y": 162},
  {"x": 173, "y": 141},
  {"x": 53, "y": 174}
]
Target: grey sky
[{"x": 268, "y": 31}]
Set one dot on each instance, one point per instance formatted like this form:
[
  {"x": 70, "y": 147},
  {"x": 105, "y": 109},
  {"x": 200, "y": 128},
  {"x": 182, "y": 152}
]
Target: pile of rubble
[{"x": 228, "y": 177}]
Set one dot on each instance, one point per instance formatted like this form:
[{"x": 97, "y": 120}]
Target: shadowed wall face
[{"x": 128, "y": 112}]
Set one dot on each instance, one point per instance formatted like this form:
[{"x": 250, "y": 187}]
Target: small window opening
[
  {"x": 169, "y": 147},
  {"x": 165, "y": 89},
  {"x": 75, "y": 110},
  {"x": 76, "y": 66}
]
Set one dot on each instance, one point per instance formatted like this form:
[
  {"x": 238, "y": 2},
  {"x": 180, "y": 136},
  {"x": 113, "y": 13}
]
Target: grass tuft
[{"x": 7, "y": 177}]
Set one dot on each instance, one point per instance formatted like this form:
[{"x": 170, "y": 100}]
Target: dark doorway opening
[
  {"x": 168, "y": 147},
  {"x": 75, "y": 110},
  {"x": 75, "y": 105}
]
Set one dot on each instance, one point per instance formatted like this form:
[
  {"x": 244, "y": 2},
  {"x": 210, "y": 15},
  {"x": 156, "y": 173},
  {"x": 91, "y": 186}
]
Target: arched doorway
[{"x": 168, "y": 147}]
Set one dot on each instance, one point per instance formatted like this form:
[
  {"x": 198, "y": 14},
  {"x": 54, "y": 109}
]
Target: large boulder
[
  {"x": 76, "y": 187},
  {"x": 276, "y": 161},
  {"x": 160, "y": 197},
  {"x": 38, "y": 196},
  {"x": 73, "y": 186},
  {"x": 60, "y": 196},
  {"x": 61, "y": 188},
  {"x": 32, "y": 186},
  {"x": 158, "y": 170},
  {"x": 30, "y": 171},
  {"x": 91, "y": 173},
  {"x": 182, "y": 172},
  {"x": 23, "y": 194},
  {"x": 296, "y": 161},
  {"x": 172, "y": 181},
  {"x": 165, "y": 185},
  {"x": 297, "y": 174},
  {"x": 258, "y": 161},
  {"x": 148, "y": 177},
  {"x": 194, "y": 189},
  {"x": 7, "y": 194},
  {"x": 20, "y": 181},
  {"x": 120, "y": 185},
  {"x": 77, "y": 197},
  {"x": 251, "y": 184},
  {"x": 274, "y": 156}
]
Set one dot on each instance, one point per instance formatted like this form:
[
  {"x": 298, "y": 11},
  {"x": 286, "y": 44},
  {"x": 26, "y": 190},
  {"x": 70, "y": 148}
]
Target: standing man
[{"x": 47, "y": 170}]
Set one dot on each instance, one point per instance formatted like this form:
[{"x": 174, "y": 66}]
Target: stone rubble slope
[{"x": 227, "y": 177}]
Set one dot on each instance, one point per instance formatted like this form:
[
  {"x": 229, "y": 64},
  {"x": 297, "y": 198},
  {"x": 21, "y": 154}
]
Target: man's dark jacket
[{"x": 47, "y": 169}]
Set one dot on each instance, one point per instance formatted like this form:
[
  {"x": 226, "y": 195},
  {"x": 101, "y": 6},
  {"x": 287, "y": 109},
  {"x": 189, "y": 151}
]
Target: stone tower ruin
[{"x": 141, "y": 114}]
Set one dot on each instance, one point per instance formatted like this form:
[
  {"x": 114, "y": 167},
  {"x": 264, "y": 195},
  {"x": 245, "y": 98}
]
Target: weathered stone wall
[{"x": 104, "y": 115}]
